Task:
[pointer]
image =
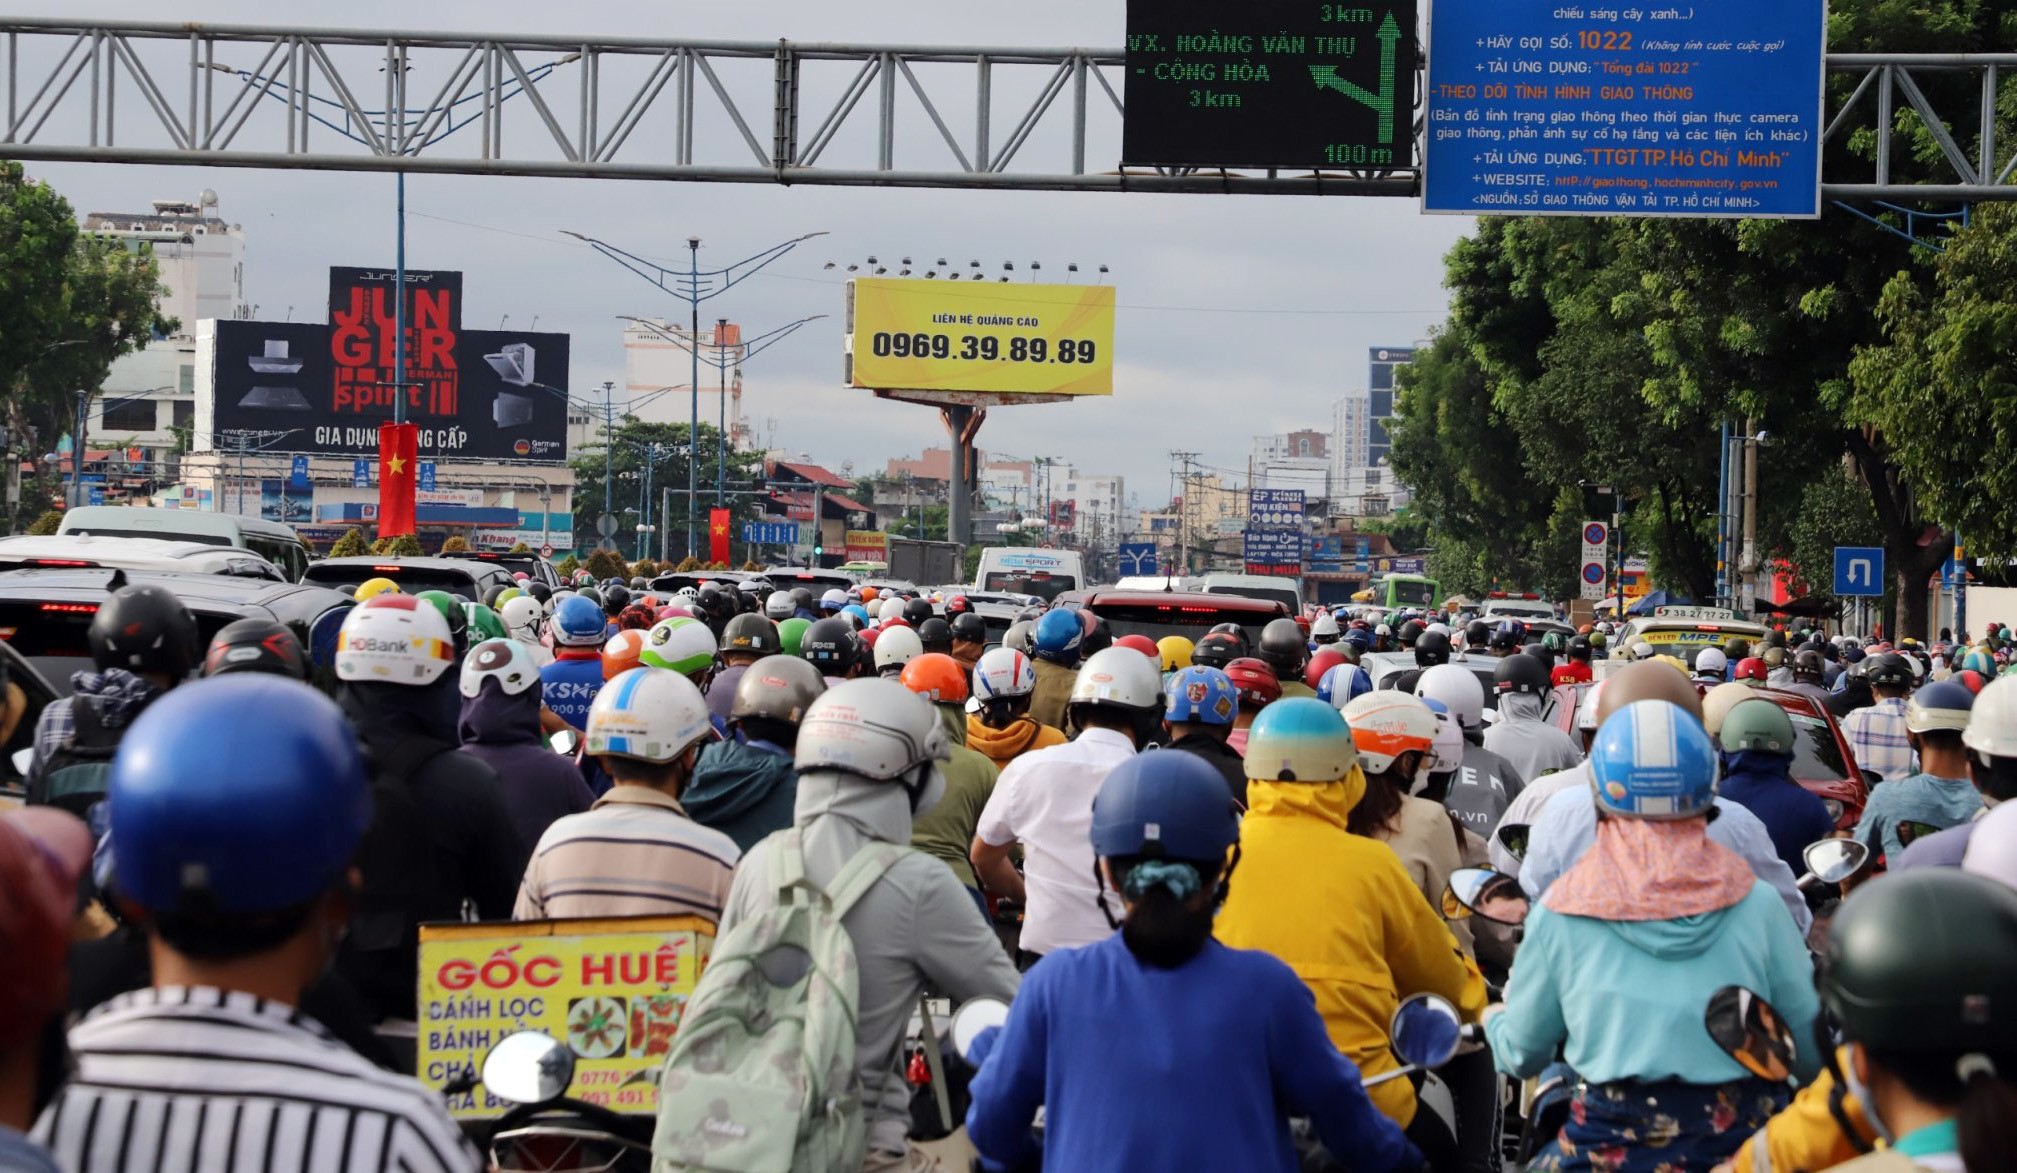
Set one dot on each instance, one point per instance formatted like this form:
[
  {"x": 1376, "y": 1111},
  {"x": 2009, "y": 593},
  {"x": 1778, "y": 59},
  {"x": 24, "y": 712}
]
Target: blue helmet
[
  {"x": 1058, "y": 633},
  {"x": 1300, "y": 739},
  {"x": 190, "y": 831},
  {"x": 577, "y": 622},
  {"x": 1202, "y": 695},
  {"x": 1359, "y": 638},
  {"x": 1166, "y": 804},
  {"x": 1342, "y": 683},
  {"x": 1653, "y": 760}
]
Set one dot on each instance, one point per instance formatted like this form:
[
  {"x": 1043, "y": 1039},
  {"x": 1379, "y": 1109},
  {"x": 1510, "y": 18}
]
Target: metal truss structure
[{"x": 739, "y": 112}]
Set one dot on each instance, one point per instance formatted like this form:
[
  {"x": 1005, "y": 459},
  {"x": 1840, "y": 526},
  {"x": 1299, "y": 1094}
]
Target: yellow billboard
[
  {"x": 913, "y": 335},
  {"x": 612, "y": 989}
]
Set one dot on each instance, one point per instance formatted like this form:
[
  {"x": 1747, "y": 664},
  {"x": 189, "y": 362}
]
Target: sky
[{"x": 1239, "y": 315}]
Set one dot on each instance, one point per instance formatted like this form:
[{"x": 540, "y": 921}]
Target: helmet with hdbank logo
[{"x": 394, "y": 639}]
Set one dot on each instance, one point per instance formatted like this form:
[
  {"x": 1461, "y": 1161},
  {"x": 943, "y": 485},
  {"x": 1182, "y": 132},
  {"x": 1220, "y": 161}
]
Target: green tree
[
  {"x": 664, "y": 447},
  {"x": 350, "y": 545},
  {"x": 47, "y": 524},
  {"x": 402, "y": 546},
  {"x": 567, "y": 567},
  {"x": 604, "y": 564},
  {"x": 519, "y": 548},
  {"x": 456, "y": 544}
]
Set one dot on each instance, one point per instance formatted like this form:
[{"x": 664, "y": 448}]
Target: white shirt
[{"x": 1044, "y": 800}]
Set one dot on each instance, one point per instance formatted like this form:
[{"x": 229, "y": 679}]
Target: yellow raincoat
[
  {"x": 1805, "y": 1134},
  {"x": 1006, "y": 745},
  {"x": 1342, "y": 911}
]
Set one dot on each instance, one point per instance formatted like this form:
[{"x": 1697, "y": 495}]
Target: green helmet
[
  {"x": 1554, "y": 642},
  {"x": 451, "y": 610},
  {"x": 1916, "y": 960},
  {"x": 684, "y": 645},
  {"x": 789, "y": 632},
  {"x": 484, "y": 623},
  {"x": 1756, "y": 724},
  {"x": 505, "y": 596}
]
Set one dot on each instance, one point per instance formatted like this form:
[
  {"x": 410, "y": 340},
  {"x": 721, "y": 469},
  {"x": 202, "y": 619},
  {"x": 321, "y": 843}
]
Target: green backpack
[{"x": 761, "y": 1078}]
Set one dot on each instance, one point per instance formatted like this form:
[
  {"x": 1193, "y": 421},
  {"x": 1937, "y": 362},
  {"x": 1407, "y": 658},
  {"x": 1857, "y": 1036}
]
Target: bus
[{"x": 1407, "y": 590}]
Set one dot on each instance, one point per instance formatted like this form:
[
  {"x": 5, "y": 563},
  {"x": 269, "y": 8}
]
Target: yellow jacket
[
  {"x": 1342, "y": 911},
  {"x": 1804, "y": 1135},
  {"x": 1006, "y": 745}
]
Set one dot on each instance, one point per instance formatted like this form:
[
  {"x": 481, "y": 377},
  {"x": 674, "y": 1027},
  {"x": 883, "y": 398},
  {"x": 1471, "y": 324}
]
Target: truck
[{"x": 926, "y": 563}]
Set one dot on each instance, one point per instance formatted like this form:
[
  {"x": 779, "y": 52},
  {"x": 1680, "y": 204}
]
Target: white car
[{"x": 84, "y": 551}]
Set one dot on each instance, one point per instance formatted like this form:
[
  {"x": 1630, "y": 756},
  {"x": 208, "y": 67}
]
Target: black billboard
[{"x": 474, "y": 394}]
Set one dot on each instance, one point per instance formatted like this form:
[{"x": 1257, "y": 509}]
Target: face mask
[{"x": 1865, "y": 1106}]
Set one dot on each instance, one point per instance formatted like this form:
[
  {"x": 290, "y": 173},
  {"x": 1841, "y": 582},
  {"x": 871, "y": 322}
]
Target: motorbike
[{"x": 545, "y": 1131}]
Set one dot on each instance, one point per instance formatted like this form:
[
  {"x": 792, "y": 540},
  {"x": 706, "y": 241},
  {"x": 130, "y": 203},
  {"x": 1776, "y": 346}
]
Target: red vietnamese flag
[
  {"x": 398, "y": 469},
  {"x": 717, "y": 535}
]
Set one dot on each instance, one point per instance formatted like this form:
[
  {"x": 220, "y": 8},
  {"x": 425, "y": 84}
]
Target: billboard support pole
[{"x": 693, "y": 384}]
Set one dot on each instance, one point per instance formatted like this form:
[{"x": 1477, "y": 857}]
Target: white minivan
[
  {"x": 269, "y": 539},
  {"x": 1267, "y": 587},
  {"x": 1027, "y": 570}
]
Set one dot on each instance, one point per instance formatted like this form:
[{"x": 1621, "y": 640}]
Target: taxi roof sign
[{"x": 1704, "y": 614}]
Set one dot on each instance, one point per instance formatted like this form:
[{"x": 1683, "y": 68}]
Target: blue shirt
[
  {"x": 1794, "y": 817},
  {"x": 1921, "y": 798},
  {"x": 1197, "y": 1067},
  {"x": 569, "y": 686},
  {"x": 18, "y": 1154}
]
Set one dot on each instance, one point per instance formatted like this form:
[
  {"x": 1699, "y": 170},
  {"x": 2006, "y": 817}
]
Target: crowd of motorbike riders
[{"x": 1205, "y": 874}]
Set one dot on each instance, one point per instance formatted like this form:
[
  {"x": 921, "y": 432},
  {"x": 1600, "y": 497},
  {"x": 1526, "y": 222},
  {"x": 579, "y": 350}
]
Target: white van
[
  {"x": 269, "y": 539},
  {"x": 88, "y": 550},
  {"x": 1286, "y": 591},
  {"x": 1025, "y": 570}
]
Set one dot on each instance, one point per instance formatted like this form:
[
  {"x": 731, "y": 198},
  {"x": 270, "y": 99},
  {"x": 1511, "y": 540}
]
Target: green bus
[{"x": 1407, "y": 590}]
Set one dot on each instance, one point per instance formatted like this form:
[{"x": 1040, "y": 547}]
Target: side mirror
[
  {"x": 971, "y": 1019},
  {"x": 1513, "y": 837},
  {"x": 1871, "y": 778},
  {"x": 1425, "y": 1030},
  {"x": 1495, "y": 896},
  {"x": 1832, "y": 861},
  {"x": 1751, "y": 1031},
  {"x": 528, "y": 1067},
  {"x": 564, "y": 742}
]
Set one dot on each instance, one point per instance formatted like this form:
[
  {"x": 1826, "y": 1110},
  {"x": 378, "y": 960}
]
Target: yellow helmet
[
  {"x": 1175, "y": 651},
  {"x": 371, "y": 588}
]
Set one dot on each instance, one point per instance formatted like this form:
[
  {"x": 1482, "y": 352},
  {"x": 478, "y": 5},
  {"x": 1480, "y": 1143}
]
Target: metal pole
[
  {"x": 608, "y": 449},
  {"x": 644, "y": 502},
  {"x": 399, "y": 313},
  {"x": 957, "y": 505},
  {"x": 1749, "y": 566},
  {"x": 693, "y": 352},
  {"x": 1723, "y": 519},
  {"x": 664, "y": 531},
  {"x": 721, "y": 437},
  {"x": 77, "y": 450}
]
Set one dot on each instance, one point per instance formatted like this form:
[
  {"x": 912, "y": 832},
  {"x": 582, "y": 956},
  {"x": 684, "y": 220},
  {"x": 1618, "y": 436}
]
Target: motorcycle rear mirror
[
  {"x": 973, "y": 1017},
  {"x": 1751, "y": 1031},
  {"x": 1425, "y": 1030},
  {"x": 1513, "y": 837},
  {"x": 1831, "y": 861},
  {"x": 1494, "y": 896},
  {"x": 1912, "y": 829},
  {"x": 23, "y": 758},
  {"x": 528, "y": 1067},
  {"x": 564, "y": 742}
]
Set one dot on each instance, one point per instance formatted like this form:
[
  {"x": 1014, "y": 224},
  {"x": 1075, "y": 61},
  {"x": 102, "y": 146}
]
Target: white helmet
[
  {"x": 1992, "y": 721},
  {"x": 1324, "y": 624},
  {"x": 1003, "y": 672},
  {"x": 891, "y": 608},
  {"x": 688, "y": 593},
  {"x": 1449, "y": 748},
  {"x": 504, "y": 660},
  {"x": 894, "y": 648},
  {"x": 834, "y": 599},
  {"x": 1711, "y": 662},
  {"x": 681, "y": 643},
  {"x": 778, "y": 605},
  {"x": 1386, "y": 724},
  {"x": 1458, "y": 688},
  {"x": 553, "y": 600},
  {"x": 1586, "y": 713},
  {"x": 879, "y": 730},
  {"x": 1121, "y": 677},
  {"x": 524, "y": 618},
  {"x": 650, "y": 714},
  {"x": 394, "y": 639}
]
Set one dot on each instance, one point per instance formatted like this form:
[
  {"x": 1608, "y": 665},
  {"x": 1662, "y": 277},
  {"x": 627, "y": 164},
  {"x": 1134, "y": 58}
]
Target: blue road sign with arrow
[
  {"x": 1859, "y": 571},
  {"x": 1138, "y": 558}
]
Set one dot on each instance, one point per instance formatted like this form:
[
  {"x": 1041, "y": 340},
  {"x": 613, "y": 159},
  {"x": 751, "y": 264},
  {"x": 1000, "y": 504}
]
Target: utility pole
[
  {"x": 1184, "y": 510},
  {"x": 1749, "y": 590}
]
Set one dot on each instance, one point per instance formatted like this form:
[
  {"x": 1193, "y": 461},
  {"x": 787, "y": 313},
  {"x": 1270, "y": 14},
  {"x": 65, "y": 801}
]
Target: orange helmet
[
  {"x": 868, "y": 594},
  {"x": 620, "y": 654},
  {"x": 936, "y": 676}
]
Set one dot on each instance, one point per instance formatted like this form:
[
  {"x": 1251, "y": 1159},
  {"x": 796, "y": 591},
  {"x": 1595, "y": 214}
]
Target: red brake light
[
  {"x": 60, "y": 562},
  {"x": 386, "y": 569},
  {"x": 71, "y": 608}
]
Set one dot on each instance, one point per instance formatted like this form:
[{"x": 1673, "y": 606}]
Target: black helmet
[
  {"x": 968, "y": 626},
  {"x": 144, "y": 629},
  {"x": 591, "y": 594},
  {"x": 1411, "y": 631},
  {"x": 916, "y": 611},
  {"x": 830, "y": 645},
  {"x": 1477, "y": 633},
  {"x": 1539, "y": 650},
  {"x": 490, "y": 596},
  {"x": 1236, "y": 631},
  {"x": 1219, "y": 648},
  {"x": 1775, "y": 638},
  {"x": 1520, "y": 673},
  {"x": 1808, "y": 665},
  {"x": 801, "y": 597},
  {"x": 1579, "y": 647},
  {"x": 1283, "y": 649},
  {"x": 255, "y": 645},
  {"x": 751, "y": 633},
  {"x": 1508, "y": 635},
  {"x": 615, "y": 599},
  {"x": 1099, "y": 639},
  {"x": 637, "y": 582},
  {"x": 538, "y": 590},
  {"x": 935, "y": 634},
  {"x": 1432, "y": 648},
  {"x": 1736, "y": 649},
  {"x": 1889, "y": 670},
  {"x": 1921, "y": 961}
]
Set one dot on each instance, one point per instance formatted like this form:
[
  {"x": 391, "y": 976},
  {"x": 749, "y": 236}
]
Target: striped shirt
[
  {"x": 1879, "y": 739},
  {"x": 634, "y": 853},
  {"x": 182, "y": 1079}
]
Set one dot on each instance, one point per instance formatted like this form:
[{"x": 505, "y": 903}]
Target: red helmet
[
  {"x": 1751, "y": 668},
  {"x": 1323, "y": 661},
  {"x": 1974, "y": 681},
  {"x": 868, "y": 635},
  {"x": 1255, "y": 681},
  {"x": 1142, "y": 644},
  {"x": 957, "y": 605}
]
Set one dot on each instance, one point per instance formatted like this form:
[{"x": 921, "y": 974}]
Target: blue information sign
[
  {"x": 1273, "y": 551},
  {"x": 1859, "y": 570},
  {"x": 360, "y": 474},
  {"x": 1138, "y": 558},
  {"x": 1710, "y": 109},
  {"x": 770, "y": 533},
  {"x": 427, "y": 476},
  {"x": 1276, "y": 508},
  {"x": 299, "y": 473}
]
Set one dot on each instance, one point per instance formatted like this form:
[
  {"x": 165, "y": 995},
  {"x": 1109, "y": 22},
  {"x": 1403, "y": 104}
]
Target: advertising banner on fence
[
  {"x": 323, "y": 388},
  {"x": 612, "y": 989},
  {"x": 867, "y": 545},
  {"x": 912, "y": 335}
]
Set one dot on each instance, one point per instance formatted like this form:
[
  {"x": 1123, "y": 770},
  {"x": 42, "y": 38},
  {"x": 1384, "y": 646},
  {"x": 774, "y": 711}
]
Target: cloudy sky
[{"x": 1239, "y": 315}]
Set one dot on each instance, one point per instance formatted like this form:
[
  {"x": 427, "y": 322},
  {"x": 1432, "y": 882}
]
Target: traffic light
[{"x": 818, "y": 551}]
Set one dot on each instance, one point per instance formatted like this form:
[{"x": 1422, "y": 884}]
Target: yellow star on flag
[
  {"x": 720, "y": 528},
  {"x": 395, "y": 465}
]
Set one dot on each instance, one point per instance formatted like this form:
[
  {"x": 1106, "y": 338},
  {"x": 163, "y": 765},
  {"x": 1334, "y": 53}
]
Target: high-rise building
[
  {"x": 656, "y": 359},
  {"x": 1380, "y": 398}
]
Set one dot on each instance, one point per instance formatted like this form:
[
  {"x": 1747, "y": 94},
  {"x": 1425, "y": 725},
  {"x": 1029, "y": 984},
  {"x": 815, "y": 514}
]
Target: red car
[{"x": 1822, "y": 760}]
